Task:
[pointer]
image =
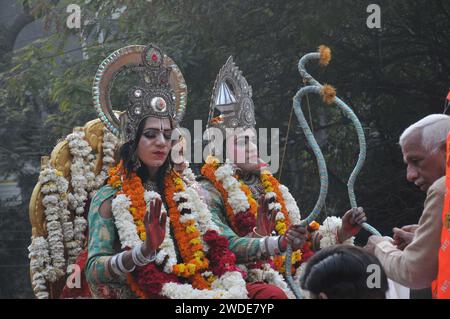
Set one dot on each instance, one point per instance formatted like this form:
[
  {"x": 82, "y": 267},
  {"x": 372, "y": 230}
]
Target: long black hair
[
  {"x": 127, "y": 152},
  {"x": 341, "y": 272}
]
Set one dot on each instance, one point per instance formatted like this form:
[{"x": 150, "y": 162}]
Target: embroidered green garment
[
  {"x": 102, "y": 245},
  {"x": 246, "y": 249}
]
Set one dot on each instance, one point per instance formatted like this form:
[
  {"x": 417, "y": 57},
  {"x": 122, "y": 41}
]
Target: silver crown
[
  {"x": 161, "y": 90},
  {"x": 232, "y": 97}
]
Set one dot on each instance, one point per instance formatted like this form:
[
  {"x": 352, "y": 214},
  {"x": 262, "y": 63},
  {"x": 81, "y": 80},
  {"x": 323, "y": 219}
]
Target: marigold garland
[
  {"x": 148, "y": 281},
  {"x": 243, "y": 222},
  {"x": 186, "y": 235}
]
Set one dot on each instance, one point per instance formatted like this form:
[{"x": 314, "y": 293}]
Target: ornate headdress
[
  {"x": 160, "y": 92},
  {"x": 232, "y": 97}
]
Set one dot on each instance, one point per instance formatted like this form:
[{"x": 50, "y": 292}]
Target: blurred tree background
[{"x": 391, "y": 77}]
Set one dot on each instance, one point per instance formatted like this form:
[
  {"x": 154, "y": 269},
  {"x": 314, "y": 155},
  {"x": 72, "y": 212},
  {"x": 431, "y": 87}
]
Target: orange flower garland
[
  {"x": 271, "y": 185},
  {"x": 208, "y": 170},
  {"x": 133, "y": 188},
  {"x": 187, "y": 237},
  {"x": 186, "y": 234}
]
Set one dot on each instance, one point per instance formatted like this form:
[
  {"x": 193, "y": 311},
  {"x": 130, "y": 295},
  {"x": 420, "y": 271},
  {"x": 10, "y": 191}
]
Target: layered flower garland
[
  {"x": 47, "y": 254},
  {"x": 208, "y": 265},
  {"x": 329, "y": 232},
  {"x": 39, "y": 261},
  {"x": 241, "y": 207},
  {"x": 241, "y": 210},
  {"x": 84, "y": 182}
]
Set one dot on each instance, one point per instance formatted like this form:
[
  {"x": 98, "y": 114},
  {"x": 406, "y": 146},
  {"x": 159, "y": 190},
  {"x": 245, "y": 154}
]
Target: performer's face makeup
[
  {"x": 242, "y": 150},
  {"x": 155, "y": 142},
  {"x": 423, "y": 167}
]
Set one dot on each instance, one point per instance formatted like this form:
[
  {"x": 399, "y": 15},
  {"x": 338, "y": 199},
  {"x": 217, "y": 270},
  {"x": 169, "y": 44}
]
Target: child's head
[{"x": 343, "y": 272}]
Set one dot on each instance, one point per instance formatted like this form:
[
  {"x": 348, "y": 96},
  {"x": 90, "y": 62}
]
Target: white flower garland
[
  {"x": 270, "y": 276},
  {"x": 236, "y": 197},
  {"x": 47, "y": 259},
  {"x": 291, "y": 205},
  {"x": 62, "y": 185},
  {"x": 55, "y": 214},
  {"x": 188, "y": 175},
  {"x": 39, "y": 260},
  {"x": 81, "y": 180},
  {"x": 124, "y": 222},
  {"x": 109, "y": 145},
  {"x": 239, "y": 202},
  {"x": 328, "y": 232},
  {"x": 230, "y": 285}
]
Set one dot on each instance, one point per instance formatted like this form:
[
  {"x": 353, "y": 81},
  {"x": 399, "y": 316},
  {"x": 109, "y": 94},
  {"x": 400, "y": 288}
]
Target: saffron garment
[{"x": 441, "y": 286}]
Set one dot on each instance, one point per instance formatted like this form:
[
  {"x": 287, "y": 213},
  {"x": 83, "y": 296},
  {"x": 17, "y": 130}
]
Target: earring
[{"x": 136, "y": 162}]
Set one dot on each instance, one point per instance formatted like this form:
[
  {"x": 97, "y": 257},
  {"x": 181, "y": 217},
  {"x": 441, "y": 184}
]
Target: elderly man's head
[{"x": 424, "y": 147}]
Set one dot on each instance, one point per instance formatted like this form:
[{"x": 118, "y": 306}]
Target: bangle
[
  {"x": 114, "y": 267},
  {"x": 138, "y": 257},
  {"x": 121, "y": 266},
  {"x": 273, "y": 248},
  {"x": 117, "y": 266},
  {"x": 279, "y": 244}
]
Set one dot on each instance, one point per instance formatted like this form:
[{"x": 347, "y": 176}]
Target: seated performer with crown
[
  {"x": 150, "y": 234},
  {"x": 249, "y": 204}
]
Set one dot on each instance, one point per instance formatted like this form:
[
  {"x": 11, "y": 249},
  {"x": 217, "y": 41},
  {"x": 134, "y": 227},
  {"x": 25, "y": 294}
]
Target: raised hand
[
  {"x": 155, "y": 227},
  {"x": 266, "y": 219},
  {"x": 351, "y": 223}
]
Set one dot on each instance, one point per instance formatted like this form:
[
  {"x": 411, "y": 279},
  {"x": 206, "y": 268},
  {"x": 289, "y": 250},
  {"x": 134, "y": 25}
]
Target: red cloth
[
  {"x": 84, "y": 291},
  {"x": 259, "y": 290}
]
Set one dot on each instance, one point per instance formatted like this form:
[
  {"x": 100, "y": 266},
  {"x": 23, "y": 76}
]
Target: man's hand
[
  {"x": 351, "y": 223},
  {"x": 373, "y": 241},
  {"x": 404, "y": 236},
  {"x": 295, "y": 236}
]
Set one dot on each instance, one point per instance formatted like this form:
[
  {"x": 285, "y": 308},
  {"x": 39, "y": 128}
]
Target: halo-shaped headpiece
[
  {"x": 232, "y": 97},
  {"x": 160, "y": 92}
]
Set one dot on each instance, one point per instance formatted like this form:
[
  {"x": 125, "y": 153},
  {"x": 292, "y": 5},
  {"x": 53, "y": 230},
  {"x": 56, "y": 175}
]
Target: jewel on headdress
[
  {"x": 137, "y": 110},
  {"x": 225, "y": 96},
  {"x": 153, "y": 56},
  {"x": 158, "y": 104},
  {"x": 161, "y": 91},
  {"x": 232, "y": 97}
]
